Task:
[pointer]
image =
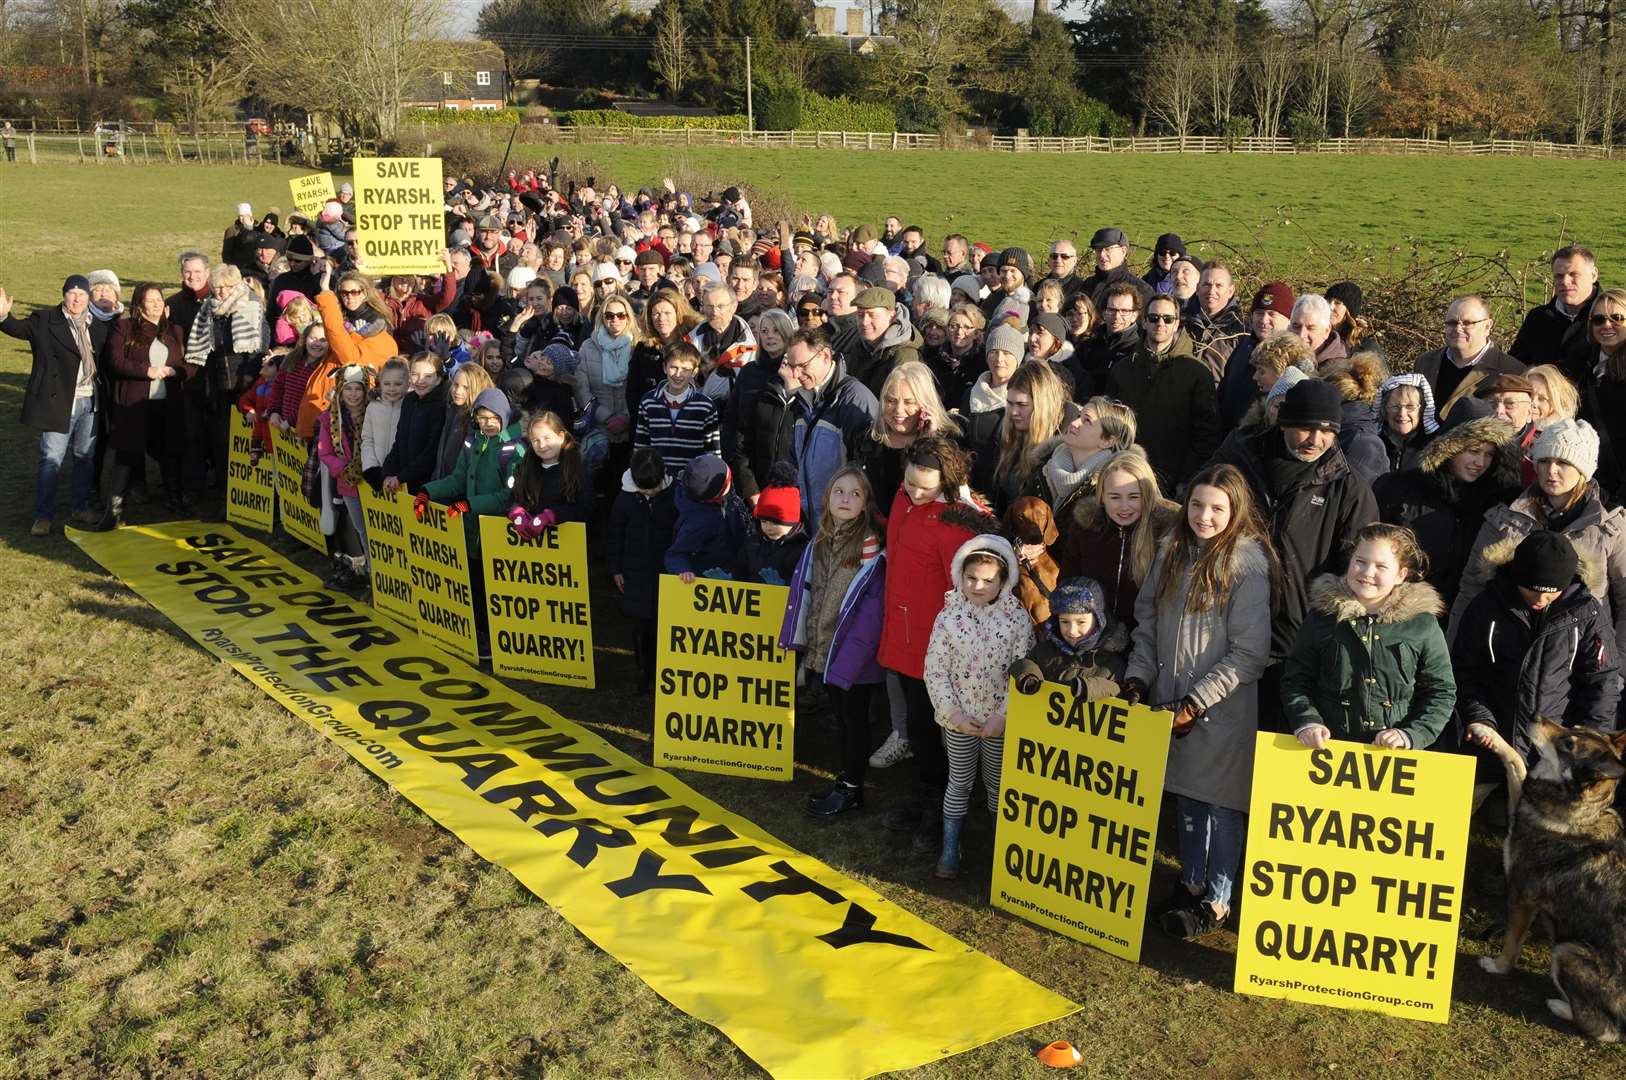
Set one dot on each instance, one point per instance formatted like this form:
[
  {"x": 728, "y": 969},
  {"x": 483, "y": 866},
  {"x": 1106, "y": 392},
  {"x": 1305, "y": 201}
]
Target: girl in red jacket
[{"x": 931, "y": 517}]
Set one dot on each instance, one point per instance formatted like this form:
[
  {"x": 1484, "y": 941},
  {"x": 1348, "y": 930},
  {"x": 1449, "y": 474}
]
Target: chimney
[
  {"x": 824, "y": 21},
  {"x": 855, "y": 22}
]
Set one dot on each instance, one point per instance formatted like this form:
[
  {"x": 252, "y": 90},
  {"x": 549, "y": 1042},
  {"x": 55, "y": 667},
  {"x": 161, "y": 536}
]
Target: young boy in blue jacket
[{"x": 711, "y": 519}]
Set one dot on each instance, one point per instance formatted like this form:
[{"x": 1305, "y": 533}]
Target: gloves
[
  {"x": 1027, "y": 675},
  {"x": 457, "y": 509},
  {"x": 1080, "y": 686},
  {"x": 530, "y": 526},
  {"x": 419, "y": 502},
  {"x": 374, "y": 477},
  {"x": 544, "y": 520},
  {"x": 1185, "y": 716},
  {"x": 518, "y": 517},
  {"x": 1133, "y": 692}
]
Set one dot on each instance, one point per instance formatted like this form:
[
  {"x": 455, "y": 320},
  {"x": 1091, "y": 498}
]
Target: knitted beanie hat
[{"x": 1573, "y": 441}]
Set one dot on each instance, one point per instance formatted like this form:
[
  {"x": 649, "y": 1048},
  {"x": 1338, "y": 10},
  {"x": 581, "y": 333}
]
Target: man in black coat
[
  {"x": 1468, "y": 358},
  {"x": 1111, "y": 249},
  {"x": 1312, "y": 502},
  {"x": 60, "y": 400},
  {"x": 184, "y": 305},
  {"x": 1554, "y": 329}
]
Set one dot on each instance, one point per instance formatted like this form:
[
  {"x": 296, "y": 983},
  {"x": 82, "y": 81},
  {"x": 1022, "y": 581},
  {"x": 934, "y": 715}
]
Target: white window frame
[{"x": 482, "y": 78}]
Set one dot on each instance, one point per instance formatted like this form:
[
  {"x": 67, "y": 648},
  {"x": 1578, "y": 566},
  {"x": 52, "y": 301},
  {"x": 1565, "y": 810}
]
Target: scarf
[
  {"x": 80, "y": 325},
  {"x": 615, "y": 355},
  {"x": 986, "y": 397},
  {"x": 1065, "y": 474},
  {"x": 105, "y": 316},
  {"x": 1283, "y": 470},
  {"x": 349, "y": 430}
]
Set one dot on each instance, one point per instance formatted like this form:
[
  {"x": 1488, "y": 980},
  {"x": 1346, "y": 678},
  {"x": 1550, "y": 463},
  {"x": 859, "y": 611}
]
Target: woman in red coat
[
  {"x": 933, "y": 513},
  {"x": 147, "y": 413}
]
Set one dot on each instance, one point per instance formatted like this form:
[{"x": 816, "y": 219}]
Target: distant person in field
[
  {"x": 1552, "y": 331},
  {"x": 1468, "y": 358}
]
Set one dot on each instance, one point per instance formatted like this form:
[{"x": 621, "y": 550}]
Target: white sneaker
[{"x": 891, "y": 752}]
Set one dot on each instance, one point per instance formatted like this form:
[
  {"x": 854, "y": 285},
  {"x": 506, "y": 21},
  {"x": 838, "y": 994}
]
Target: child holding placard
[
  {"x": 981, "y": 630},
  {"x": 551, "y": 482},
  {"x": 775, "y": 538},
  {"x": 1081, "y": 646},
  {"x": 833, "y": 618},
  {"x": 1370, "y": 662},
  {"x": 1201, "y": 641}
]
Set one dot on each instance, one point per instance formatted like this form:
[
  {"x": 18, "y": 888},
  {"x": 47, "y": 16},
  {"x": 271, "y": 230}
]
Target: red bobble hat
[{"x": 781, "y": 504}]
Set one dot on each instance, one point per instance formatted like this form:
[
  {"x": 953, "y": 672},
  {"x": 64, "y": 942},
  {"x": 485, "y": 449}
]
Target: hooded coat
[
  {"x": 1514, "y": 665},
  {"x": 484, "y": 474},
  {"x": 1599, "y": 536},
  {"x": 1214, "y": 658},
  {"x": 1358, "y": 673},
  {"x": 971, "y": 646},
  {"x": 1444, "y": 512},
  {"x": 1091, "y": 673},
  {"x": 1357, "y": 379},
  {"x": 1176, "y": 413},
  {"x": 708, "y": 536},
  {"x": 870, "y": 362}
]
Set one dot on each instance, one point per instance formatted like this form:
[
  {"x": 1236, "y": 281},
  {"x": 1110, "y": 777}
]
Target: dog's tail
[{"x": 1511, "y": 761}]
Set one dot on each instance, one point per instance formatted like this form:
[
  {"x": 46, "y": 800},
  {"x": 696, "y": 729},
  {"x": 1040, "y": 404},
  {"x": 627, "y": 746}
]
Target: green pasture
[{"x": 195, "y": 884}]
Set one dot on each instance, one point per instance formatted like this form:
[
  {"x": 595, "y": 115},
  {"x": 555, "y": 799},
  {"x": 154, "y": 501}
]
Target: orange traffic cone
[{"x": 1060, "y": 1055}]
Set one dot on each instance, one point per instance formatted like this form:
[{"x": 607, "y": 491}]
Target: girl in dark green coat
[{"x": 1370, "y": 663}]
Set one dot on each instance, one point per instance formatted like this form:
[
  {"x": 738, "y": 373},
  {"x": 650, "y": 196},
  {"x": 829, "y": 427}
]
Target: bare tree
[
  {"x": 671, "y": 59},
  {"x": 1317, "y": 75},
  {"x": 1357, "y": 79},
  {"x": 370, "y": 56},
  {"x": 1269, "y": 81},
  {"x": 1174, "y": 83},
  {"x": 201, "y": 89},
  {"x": 1222, "y": 69}
]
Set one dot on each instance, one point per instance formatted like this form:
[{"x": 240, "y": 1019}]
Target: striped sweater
[{"x": 680, "y": 434}]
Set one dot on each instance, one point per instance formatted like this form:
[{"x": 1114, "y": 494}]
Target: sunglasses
[
  {"x": 1615, "y": 317},
  {"x": 811, "y": 313},
  {"x": 617, "y": 315},
  {"x": 350, "y": 292},
  {"x": 1164, "y": 319}
]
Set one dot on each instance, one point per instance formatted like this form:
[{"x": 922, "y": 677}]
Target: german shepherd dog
[{"x": 1565, "y": 858}]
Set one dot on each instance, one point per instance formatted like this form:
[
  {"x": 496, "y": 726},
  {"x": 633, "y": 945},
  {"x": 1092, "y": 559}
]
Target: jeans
[
  {"x": 1210, "y": 849},
  {"x": 54, "y": 446}
]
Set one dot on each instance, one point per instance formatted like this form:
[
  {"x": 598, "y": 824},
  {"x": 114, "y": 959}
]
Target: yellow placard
[
  {"x": 1352, "y": 884},
  {"x": 537, "y": 604},
  {"x": 1080, "y": 786},
  {"x": 787, "y": 957},
  {"x": 725, "y": 692},
  {"x": 251, "y": 485},
  {"x": 389, "y": 564},
  {"x": 442, "y": 596},
  {"x": 400, "y": 215},
  {"x": 310, "y": 192},
  {"x": 300, "y": 519}
]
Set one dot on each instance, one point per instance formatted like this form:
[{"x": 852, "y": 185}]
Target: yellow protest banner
[
  {"x": 1352, "y": 884},
  {"x": 810, "y": 973},
  {"x": 1081, "y": 783},
  {"x": 442, "y": 597},
  {"x": 300, "y": 519},
  {"x": 251, "y": 485},
  {"x": 400, "y": 215},
  {"x": 536, "y": 602},
  {"x": 725, "y": 692},
  {"x": 310, "y": 192},
  {"x": 389, "y": 565}
]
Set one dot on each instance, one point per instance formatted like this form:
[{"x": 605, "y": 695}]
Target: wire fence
[{"x": 45, "y": 141}]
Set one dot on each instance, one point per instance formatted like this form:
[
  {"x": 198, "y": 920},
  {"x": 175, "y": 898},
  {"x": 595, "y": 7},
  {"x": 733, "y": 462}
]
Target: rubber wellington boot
[{"x": 948, "y": 863}]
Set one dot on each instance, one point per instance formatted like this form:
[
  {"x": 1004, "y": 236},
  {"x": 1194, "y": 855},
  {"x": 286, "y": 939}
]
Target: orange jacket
[{"x": 344, "y": 348}]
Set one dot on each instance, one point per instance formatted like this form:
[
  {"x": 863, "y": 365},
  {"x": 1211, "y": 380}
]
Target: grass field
[{"x": 197, "y": 885}]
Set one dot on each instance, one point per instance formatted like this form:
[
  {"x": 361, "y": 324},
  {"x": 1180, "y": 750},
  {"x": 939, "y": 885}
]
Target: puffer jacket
[
  {"x": 971, "y": 646},
  {"x": 378, "y": 434},
  {"x": 1312, "y": 524},
  {"x": 1599, "y": 536},
  {"x": 595, "y": 382},
  {"x": 1092, "y": 673},
  {"x": 1358, "y": 673},
  {"x": 920, "y": 542},
  {"x": 370, "y": 344},
  {"x": 1214, "y": 658},
  {"x": 1176, "y": 413},
  {"x": 848, "y": 653},
  {"x": 1444, "y": 512},
  {"x": 708, "y": 536},
  {"x": 1514, "y": 665},
  {"x": 484, "y": 474}
]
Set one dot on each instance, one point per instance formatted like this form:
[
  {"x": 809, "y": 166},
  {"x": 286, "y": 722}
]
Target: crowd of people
[{"x": 970, "y": 471}]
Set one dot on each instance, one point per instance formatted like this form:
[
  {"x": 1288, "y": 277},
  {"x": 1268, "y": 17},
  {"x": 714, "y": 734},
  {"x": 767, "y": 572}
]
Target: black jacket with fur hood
[
  {"x": 1358, "y": 672},
  {"x": 1514, "y": 664},
  {"x": 1442, "y": 510}
]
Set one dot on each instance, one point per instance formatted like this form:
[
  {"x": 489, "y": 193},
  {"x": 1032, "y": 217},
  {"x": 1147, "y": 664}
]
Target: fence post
[{"x": 33, "y": 158}]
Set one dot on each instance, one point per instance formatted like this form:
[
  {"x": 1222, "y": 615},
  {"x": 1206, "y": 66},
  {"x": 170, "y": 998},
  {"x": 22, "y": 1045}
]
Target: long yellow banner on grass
[{"x": 807, "y": 971}]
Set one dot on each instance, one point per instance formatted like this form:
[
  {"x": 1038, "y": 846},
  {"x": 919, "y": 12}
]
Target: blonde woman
[
  {"x": 1113, "y": 536},
  {"x": 1554, "y": 398},
  {"x": 1091, "y": 435},
  {"x": 909, "y": 409}
]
